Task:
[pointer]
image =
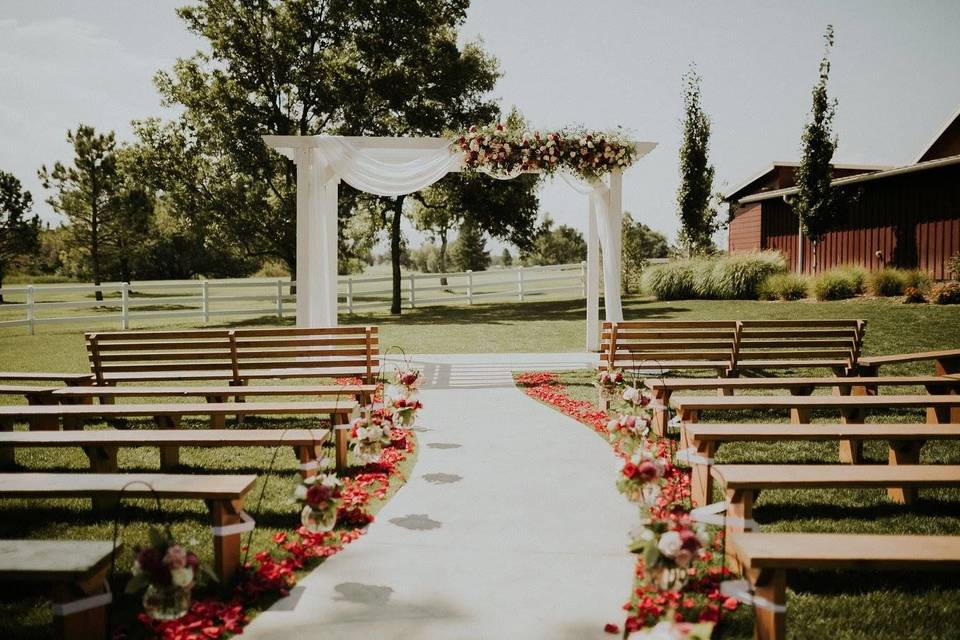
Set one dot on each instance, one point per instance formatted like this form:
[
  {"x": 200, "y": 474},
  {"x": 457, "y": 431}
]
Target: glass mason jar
[
  {"x": 166, "y": 603},
  {"x": 368, "y": 453},
  {"x": 668, "y": 578},
  {"x": 317, "y": 521}
]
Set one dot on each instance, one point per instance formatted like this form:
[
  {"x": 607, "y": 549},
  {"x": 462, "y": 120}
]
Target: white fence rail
[{"x": 206, "y": 299}]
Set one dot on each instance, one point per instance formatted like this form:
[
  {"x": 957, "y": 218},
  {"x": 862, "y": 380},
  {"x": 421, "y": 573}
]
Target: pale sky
[{"x": 600, "y": 63}]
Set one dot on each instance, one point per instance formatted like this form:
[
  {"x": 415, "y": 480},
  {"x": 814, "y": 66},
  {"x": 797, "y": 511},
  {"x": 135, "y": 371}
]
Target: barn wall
[
  {"x": 913, "y": 220},
  {"x": 744, "y": 231}
]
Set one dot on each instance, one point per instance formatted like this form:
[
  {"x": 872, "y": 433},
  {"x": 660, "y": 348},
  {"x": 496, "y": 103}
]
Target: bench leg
[
  {"x": 46, "y": 423},
  {"x": 701, "y": 482},
  {"x": 102, "y": 459},
  {"x": 226, "y": 548},
  {"x": 851, "y": 451},
  {"x": 7, "y": 454},
  {"x": 340, "y": 442},
  {"x": 661, "y": 414},
  {"x": 90, "y": 624},
  {"x": 308, "y": 460},
  {"x": 602, "y": 403},
  {"x": 217, "y": 420},
  {"x": 169, "y": 454},
  {"x": 739, "y": 511},
  {"x": 904, "y": 452},
  {"x": 942, "y": 415},
  {"x": 771, "y": 585},
  {"x": 238, "y": 398}
]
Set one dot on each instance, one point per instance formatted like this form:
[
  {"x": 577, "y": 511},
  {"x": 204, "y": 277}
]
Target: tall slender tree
[
  {"x": 698, "y": 215},
  {"x": 85, "y": 191},
  {"x": 818, "y": 207},
  {"x": 19, "y": 233}
]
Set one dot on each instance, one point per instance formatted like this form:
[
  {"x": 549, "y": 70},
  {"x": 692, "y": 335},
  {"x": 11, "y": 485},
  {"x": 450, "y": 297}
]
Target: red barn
[{"x": 905, "y": 216}]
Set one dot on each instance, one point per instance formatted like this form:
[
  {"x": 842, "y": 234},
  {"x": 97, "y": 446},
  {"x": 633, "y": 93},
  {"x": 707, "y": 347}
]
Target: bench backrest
[
  {"x": 234, "y": 354},
  {"x": 651, "y": 343}
]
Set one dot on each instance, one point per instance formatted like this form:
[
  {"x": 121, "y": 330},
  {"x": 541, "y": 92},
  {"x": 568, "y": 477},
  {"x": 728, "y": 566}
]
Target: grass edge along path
[{"x": 700, "y": 600}]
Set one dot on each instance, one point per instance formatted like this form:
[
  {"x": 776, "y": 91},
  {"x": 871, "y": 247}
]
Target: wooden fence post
[
  {"x": 29, "y": 309},
  {"x": 520, "y": 283},
  {"x": 205, "y": 289},
  {"x": 350, "y": 295},
  {"x": 279, "y": 298},
  {"x": 125, "y": 305},
  {"x": 469, "y": 286},
  {"x": 413, "y": 294}
]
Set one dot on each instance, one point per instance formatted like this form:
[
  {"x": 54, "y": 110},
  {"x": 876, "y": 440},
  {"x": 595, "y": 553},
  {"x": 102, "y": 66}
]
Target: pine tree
[
  {"x": 698, "y": 216},
  {"x": 469, "y": 253},
  {"x": 816, "y": 205},
  {"x": 506, "y": 258},
  {"x": 19, "y": 233}
]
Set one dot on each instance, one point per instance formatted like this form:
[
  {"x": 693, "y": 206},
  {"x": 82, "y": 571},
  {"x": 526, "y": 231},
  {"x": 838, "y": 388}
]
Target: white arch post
[{"x": 396, "y": 166}]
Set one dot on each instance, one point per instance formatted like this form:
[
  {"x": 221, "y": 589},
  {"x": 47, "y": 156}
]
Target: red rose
[
  {"x": 730, "y": 604},
  {"x": 647, "y": 471},
  {"x": 689, "y": 540},
  {"x": 629, "y": 470},
  {"x": 611, "y": 628}
]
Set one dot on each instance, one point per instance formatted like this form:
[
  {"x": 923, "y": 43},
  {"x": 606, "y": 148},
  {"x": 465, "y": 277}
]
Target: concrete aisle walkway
[{"x": 510, "y": 526}]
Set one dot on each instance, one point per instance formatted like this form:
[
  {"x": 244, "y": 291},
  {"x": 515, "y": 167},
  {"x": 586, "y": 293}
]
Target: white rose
[
  {"x": 669, "y": 544},
  {"x": 329, "y": 481},
  {"x": 300, "y": 493},
  {"x": 361, "y": 433},
  {"x": 630, "y": 394},
  {"x": 324, "y": 463},
  {"x": 136, "y": 569},
  {"x": 182, "y": 577}
]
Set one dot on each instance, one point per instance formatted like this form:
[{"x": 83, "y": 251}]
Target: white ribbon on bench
[
  {"x": 675, "y": 421},
  {"x": 740, "y": 590},
  {"x": 715, "y": 514},
  {"x": 308, "y": 466},
  {"x": 690, "y": 456},
  {"x": 83, "y": 604},
  {"x": 246, "y": 523}
]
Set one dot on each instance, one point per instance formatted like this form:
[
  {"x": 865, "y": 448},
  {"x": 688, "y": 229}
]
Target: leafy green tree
[
  {"x": 817, "y": 206},
  {"x": 470, "y": 250},
  {"x": 505, "y": 258},
  {"x": 85, "y": 191},
  {"x": 640, "y": 243},
  {"x": 698, "y": 215},
  {"x": 19, "y": 233},
  {"x": 561, "y": 245}
]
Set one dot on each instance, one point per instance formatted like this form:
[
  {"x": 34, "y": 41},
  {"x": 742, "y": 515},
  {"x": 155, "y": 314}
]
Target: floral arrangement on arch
[
  {"x": 321, "y": 496},
  {"x": 505, "y": 151}
]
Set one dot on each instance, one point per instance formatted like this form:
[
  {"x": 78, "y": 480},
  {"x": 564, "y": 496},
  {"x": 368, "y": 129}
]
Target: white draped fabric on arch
[{"x": 399, "y": 166}]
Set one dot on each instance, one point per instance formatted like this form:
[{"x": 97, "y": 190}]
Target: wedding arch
[{"x": 393, "y": 166}]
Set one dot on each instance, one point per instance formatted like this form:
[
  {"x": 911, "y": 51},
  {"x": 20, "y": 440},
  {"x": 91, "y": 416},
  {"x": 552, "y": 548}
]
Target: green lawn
[{"x": 890, "y": 605}]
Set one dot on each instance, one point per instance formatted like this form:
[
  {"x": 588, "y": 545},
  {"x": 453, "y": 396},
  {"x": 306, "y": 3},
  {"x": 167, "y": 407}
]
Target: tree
[
  {"x": 470, "y": 251},
  {"x": 563, "y": 245},
  {"x": 505, "y": 258},
  {"x": 640, "y": 243},
  {"x": 817, "y": 206},
  {"x": 85, "y": 191},
  {"x": 19, "y": 233},
  {"x": 698, "y": 215}
]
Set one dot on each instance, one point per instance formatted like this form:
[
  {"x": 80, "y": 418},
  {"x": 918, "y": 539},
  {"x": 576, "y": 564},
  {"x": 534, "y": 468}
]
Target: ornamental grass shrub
[
  {"x": 916, "y": 279},
  {"x": 837, "y": 284},
  {"x": 945, "y": 293},
  {"x": 890, "y": 282},
  {"x": 856, "y": 275},
  {"x": 784, "y": 287},
  {"x": 735, "y": 277}
]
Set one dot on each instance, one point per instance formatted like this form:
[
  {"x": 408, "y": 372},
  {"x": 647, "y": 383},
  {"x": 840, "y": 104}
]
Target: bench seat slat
[
  {"x": 811, "y": 402},
  {"x": 813, "y": 476},
  {"x": 221, "y": 390},
  {"x": 167, "y": 485},
  {"x": 184, "y": 437},
  {"x": 52, "y": 560},
  {"x": 775, "y": 432},
  {"x": 786, "y": 383},
  {"x": 182, "y": 409}
]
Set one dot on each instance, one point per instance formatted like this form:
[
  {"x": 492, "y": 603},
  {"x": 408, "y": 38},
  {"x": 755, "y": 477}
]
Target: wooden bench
[
  {"x": 741, "y": 483},
  {"x": 730, "y": 347},
  {"x": 214, "y": 393},
  {"x": 223, "y": 495},
  {"x": 853, "y": 409},
  {"x": 766, "y": 557},
  {"x": 945, "y": 362},
  {"x": 235, "y": 355},
  {"x": 167, "y": 416},
  {"x": 663, "y": 388},
  {"x": 101, "y": 446},
  {"x": 69, "y": 379},
  {"x": 905, "y": 442},
  {"x": 75, "y": 572}
]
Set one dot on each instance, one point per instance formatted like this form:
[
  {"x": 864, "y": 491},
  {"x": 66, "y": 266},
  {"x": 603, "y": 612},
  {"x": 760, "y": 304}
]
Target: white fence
[{"x": 123, "y": 302}]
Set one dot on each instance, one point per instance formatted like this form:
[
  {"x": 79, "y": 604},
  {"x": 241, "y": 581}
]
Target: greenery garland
[{"x": 503, "y": 151}]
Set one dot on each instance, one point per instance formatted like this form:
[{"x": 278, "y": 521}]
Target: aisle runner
[{"x": 510, "y": 526}]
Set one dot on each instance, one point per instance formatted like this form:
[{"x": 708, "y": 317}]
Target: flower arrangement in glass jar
[
  {"x": 668, "y": 549},
  {"x": 168, "y": 572},
  {"x": 636, "y": 398},
  {"x": 408, "y": 380},
  {"x": 670, "y": 630},
  {"x": 640, "y": 477},
  {"x": 404, "y": 410},
  {"x": 370, "y": 434},
  {"x": 627, "y": 432},
  {"x": 321, "y": 496},
  {"x": 610, "y": 382}
]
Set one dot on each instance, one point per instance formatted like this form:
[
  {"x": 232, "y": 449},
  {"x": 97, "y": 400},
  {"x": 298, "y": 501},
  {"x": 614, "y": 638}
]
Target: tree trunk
[
  {"x": 1, "y": 285},
  {"x": 395, "y": 253},
  {"x": 813, "y": 260},
  {"x": 442, "y": 258},
  {"x": 95, "y": 234}
]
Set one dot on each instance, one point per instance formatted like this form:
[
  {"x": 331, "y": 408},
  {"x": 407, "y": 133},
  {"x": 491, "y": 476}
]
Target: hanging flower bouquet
[
  {"x": 610, "y": 382},
  {"x": 627, "y": 433},
  {"x": 405, "y": 410},
  {"x": 408, "y": 381},
  {"x": 321, "y": 496},
  {"x": 506, "y": 152},
  {"x": 640, "y": 477},
  {"x": 168, "y": 572},
  {"x": 668, "y": 549},
  {"x": 636, "y": 398},
  {"x": 370, "y": 434}
]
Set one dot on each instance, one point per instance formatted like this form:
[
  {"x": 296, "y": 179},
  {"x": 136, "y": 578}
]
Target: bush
[
  {"x": 784, "y": 287},
  {"x": 857, "y": 276},
  {"x": 838, "y": 284},
  {"x": 916, "y": 279},
  {"x": 946, "y": 293},
  {"x": 736, "y": 277},
  {"x": 888, "y": 282},
  {"x": 953, "y": 265},
  {"x": 913, "y": 295}
]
